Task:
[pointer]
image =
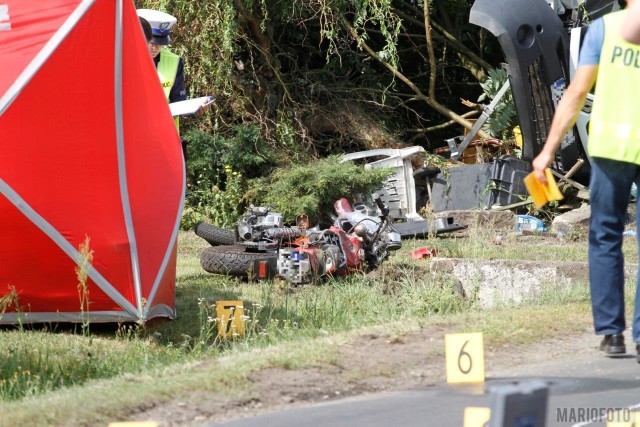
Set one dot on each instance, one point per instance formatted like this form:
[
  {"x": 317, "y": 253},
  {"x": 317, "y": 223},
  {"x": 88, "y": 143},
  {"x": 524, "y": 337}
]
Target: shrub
[
  {"x": 244, "y": 150},
  {"x": 312, "y": 188},
  {"x": 216, "y": 169},
  {"x": 219, "y": 206}
]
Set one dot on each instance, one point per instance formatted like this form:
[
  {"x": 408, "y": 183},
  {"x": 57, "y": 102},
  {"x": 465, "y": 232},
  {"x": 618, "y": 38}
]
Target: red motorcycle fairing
[
  {"x": 342, "y": 206},
  {"x": 351, "y": 246}
]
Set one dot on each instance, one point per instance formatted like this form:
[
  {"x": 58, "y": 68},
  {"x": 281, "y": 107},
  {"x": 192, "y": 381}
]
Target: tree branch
[
  {"x": 441, "y": 125},
  {"x": 450, "y": 39},
  {"x": 254, "y": 26},
  {"x": 419, "y": 95},
  {"x": 432, "y": 58}
]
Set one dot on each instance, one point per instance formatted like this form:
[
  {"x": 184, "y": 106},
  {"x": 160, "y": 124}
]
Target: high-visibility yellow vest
[
  {"x": 167, "y": 70},
  {"x": 614, "y": 130}
]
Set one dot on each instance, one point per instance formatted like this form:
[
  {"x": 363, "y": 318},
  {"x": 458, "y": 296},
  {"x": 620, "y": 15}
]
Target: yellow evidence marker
[
  {"x": 623, "y": 419},
  {"x": 476, "y": 417},
  {"x": 135, "y": 424},
  {"x": 230, "y": 315},
  {"x": 464, "y": 355}
]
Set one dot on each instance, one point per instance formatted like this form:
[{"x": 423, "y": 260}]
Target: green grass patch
[
  {"x": 35, "y": 361},
  {"x": 479, "y": 243}
]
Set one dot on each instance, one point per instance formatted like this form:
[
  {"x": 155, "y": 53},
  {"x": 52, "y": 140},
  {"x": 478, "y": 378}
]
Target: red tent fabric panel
[
  {"x": 43, "y": 276},
  {"x": 166, "y": 292},
  {"x": 84, "y": 164},
  {"x": 154, "y": 161},
  {"x": 60, "y": 155},
  {"x": 19, "y": 46}
]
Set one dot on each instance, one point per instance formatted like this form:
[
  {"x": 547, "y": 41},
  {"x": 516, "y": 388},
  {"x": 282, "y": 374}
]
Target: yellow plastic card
[
  {"x": 541, "y": 193},
  {"x": 464, "y": 354},
  {"x": 476, "y": 417}
]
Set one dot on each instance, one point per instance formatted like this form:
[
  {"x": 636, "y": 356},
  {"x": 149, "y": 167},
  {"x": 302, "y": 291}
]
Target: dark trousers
[{"x": 610, "y": 189}]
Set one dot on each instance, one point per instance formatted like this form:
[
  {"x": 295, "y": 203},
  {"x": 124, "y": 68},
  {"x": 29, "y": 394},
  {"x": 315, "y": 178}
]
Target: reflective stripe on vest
[
  {"x": 167, "y": 70},
  {"x": 614, "y": 130}
]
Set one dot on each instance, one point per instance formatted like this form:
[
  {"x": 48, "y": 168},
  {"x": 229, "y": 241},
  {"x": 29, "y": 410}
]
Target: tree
[{"x": 326, "y": 76}]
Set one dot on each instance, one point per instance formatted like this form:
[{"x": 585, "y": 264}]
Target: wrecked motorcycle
[{"x": 358, "y": 240}]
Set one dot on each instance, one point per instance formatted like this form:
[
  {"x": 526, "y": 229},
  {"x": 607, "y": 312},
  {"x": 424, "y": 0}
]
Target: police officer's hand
[
  {"x": 540, "y": 163},
  {"x": 202, "y": 109}
]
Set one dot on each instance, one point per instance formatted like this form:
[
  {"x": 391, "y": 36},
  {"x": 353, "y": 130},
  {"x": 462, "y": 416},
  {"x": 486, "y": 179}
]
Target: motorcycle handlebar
[{"x": 383, "y": 209}]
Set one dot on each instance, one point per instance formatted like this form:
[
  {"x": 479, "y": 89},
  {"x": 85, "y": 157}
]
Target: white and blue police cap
[{"x": 161, "y": 24}]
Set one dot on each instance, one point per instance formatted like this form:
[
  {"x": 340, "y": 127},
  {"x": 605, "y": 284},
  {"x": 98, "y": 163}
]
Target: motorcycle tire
[
  {"x": 215, "y": 235},
  {"x": 232, "y": 260}
]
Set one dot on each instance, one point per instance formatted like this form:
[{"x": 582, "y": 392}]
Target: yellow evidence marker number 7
[{"x": 230, "y": 315}]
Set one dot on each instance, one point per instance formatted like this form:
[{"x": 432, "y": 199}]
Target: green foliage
[
  {"x": 380, "y": 14},
  {"x": 243, "y": 149},
  {"x": 503, "y": 118},
  {"x": 312, "y": 188},
  {"x": 278, "y": 65},
  {"x": 205, "y": 36},
  {"x": 203, "y": 166},
  {"x": 546, "y": 213},
  {"x": 248, "y": 152},
  {"x": 219, "y": 206},
  {"x": 215, "y": 182}
]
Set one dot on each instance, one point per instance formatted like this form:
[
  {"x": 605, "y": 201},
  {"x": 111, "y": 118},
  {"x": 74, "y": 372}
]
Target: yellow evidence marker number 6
[
  {"x": 464, "y": 358},
  {"x": 461, "y": 356}
]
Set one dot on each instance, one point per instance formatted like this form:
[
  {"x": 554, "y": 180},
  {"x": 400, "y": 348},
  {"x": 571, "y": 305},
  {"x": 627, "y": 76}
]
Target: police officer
[
  {"x": 614, "y": 150},
  {"x": 170, "y": 66},
  {"x": 631, "y": 26},
  {"x": 146, "y": 29}
]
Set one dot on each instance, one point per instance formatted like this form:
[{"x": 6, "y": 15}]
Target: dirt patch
[{"x": 366, "y": 364}]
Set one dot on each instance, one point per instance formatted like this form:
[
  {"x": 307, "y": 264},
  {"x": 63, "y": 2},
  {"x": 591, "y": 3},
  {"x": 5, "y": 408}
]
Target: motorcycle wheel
[
  {"x": 232, "y": 260},
  {"x": 215, "y": 235}
]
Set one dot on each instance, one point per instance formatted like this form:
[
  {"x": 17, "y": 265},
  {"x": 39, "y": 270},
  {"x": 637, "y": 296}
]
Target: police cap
[{"x": 161, "y": 24}]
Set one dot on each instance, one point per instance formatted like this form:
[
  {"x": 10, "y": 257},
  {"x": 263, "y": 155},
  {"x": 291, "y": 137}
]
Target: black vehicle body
[{"x": 540, "y": 48}]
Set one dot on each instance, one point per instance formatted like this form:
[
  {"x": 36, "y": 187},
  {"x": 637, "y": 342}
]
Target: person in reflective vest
[
  {"x": 614, "y": 152},
  {"x": 170, "y": 66},
  {"x": 146, "y": 29}
]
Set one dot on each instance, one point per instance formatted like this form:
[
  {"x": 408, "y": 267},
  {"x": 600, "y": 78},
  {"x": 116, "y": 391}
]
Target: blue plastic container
[{"x": 529, "y": 223}]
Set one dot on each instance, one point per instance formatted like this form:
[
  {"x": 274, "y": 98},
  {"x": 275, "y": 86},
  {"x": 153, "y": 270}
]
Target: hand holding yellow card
[{"x": 542, "y": 193}]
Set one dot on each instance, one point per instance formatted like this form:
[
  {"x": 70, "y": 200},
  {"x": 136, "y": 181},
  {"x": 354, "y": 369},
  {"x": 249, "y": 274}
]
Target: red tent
[{"x": 89, "y": 150}]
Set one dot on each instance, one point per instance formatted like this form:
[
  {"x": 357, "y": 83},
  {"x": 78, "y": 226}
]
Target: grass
[
  {"x": 479, "y": 243},
  {"x": 61, "y": 375},
  {"x": 38, "y": 360},
  {"x": 122, "y": 394}
]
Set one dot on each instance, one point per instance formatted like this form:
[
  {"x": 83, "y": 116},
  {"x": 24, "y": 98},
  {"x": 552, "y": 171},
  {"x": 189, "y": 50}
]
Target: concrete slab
[{"x": 495, "y": 282}]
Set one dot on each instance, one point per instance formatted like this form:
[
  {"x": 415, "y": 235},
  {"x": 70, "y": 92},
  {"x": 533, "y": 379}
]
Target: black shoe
[
  {"x": 613, "y": 344},
  {"x": 638, "y": 355}
]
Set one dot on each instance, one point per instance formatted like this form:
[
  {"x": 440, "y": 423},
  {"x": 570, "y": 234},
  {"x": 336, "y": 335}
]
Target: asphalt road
[{"x": 580, "y": 391}]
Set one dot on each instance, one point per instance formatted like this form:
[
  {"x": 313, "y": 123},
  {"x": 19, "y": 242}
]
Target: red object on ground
[
  {"x": 422, "y": 253},
  {"x": 90, "y": 150}
]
